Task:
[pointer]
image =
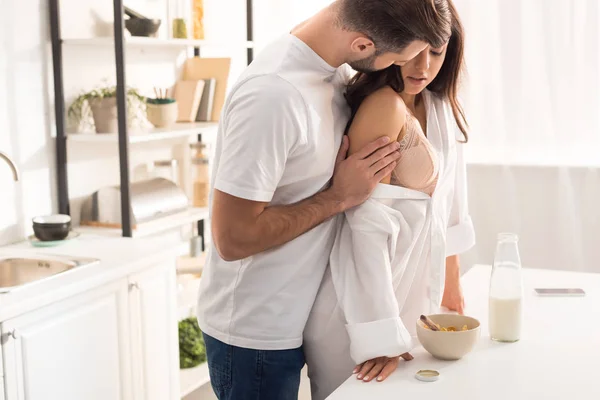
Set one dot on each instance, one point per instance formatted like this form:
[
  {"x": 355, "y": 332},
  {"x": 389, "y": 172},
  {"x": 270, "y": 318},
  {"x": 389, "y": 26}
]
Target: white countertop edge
[{"x": 142, "y": 253}]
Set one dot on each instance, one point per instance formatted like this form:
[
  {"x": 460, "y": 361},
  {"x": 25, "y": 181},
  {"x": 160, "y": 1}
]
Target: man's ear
[{"x": 362, "y": 47}]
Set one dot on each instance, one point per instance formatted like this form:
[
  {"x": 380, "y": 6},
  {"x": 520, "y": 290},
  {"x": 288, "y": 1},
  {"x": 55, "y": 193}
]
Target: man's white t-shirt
[{"x": 279, "y": 135}]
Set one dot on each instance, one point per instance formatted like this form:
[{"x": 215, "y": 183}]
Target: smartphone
[{"x": 577, "y": 292}]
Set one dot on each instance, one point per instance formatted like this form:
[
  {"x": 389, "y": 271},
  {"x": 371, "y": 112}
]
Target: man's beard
[{"x": 365, "y": 65}]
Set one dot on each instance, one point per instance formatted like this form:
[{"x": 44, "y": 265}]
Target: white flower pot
[
  {"x": 162, "y": 115},
  {"x": 105, "y": 114}
]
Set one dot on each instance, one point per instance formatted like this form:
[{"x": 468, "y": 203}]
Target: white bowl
[
  {"x": 52, "y": 219},
  {"x": 449, "y": 345}
]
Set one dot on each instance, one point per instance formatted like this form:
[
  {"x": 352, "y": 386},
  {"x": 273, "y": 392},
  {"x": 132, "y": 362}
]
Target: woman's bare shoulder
[
  {"x": 386, "y": 103},
  {"x": 382, "y": 113}
]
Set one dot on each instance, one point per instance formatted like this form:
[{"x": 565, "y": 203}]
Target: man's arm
[{"x": 242, "y": 228}]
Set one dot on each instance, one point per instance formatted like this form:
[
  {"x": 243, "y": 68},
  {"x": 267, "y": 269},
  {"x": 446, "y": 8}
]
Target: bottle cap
[{"x": 427, "y": 375}]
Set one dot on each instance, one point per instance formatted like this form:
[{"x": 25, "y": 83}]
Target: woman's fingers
[
  {"x": 388, "y": 369},
  {"x": 366, "y": 367},
  {"x": 379, "y": 368},
  {"x": 376, "y": 369}
]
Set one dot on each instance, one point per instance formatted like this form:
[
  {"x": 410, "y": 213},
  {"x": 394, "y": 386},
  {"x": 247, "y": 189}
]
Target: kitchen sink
[{"x": 16, "y": 272}]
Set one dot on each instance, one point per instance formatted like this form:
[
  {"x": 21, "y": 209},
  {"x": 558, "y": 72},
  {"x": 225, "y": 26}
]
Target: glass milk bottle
[{"x": 506, "y": 291}]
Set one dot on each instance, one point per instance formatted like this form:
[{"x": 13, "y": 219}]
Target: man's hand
[
  {"x": 379, "y": 368},
  {"x": 242, "y": 228},
  {"x": 453, "y": 298},
  {"x": 356, "y": 176}
]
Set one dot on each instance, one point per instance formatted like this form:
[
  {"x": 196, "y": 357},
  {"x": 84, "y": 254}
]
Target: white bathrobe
[{"x": 387, "y": 265}]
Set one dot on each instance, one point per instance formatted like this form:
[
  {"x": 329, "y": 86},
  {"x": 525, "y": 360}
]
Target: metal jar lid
[{"x": 427, "y": 375}]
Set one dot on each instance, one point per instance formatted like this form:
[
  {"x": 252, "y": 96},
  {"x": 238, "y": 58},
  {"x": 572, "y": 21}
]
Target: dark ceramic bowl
[
  {"x": 52, "y": 227},
  {"x": 142, "y": 27}
]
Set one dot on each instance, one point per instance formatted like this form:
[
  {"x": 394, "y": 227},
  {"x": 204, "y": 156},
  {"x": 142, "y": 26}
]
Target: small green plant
[
  {"x": 80, "y": 112},
  {"x": 161, "y": 97},
  {"x": 165, "y": 100},
  {"x": 192, "y": 350}
]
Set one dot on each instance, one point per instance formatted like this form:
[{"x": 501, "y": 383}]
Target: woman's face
[{"x": 421, "y": 70}]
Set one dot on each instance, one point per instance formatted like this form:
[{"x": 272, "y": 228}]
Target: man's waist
[{"x": 287, "y": 338}]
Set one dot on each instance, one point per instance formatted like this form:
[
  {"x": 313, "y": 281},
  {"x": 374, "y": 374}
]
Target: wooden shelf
[
  {"x": 191, "y": 265},
  {"x": 192, "y": 378},
  {"x": 177, "y": 131},
  {"x": 155, "y": 226},
  {"x": 146, "y": 41}
]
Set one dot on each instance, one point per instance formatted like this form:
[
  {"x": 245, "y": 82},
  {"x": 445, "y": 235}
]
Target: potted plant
[
  {"x": 161, "y": 111},
  {"x": 101, "y": 103}
]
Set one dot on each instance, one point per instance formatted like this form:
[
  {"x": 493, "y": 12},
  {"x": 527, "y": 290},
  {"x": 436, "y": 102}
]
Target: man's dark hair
[{"x": 394, "y": 24}]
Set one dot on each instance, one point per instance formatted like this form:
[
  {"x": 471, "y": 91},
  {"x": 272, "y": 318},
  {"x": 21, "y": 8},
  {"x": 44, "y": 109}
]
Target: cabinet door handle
[
  {"x": 133, "y": 285},
  {"x": 14, "y": 334},
  {"x": 5, "y": 337}
]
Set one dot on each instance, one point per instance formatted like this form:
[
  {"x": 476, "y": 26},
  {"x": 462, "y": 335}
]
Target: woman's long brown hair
[{"x": 445, "y": 85}]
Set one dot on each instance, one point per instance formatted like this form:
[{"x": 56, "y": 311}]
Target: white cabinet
[
  {"x": 75, "y": 349},
  {"x": 153, "y": 325},
  {"x": 1, "y": 374},
  {"x": 117, "y": 342},
  {"x": 1, "y": 371}
]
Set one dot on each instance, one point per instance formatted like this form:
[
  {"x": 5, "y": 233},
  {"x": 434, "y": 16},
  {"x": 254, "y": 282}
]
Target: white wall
[
  {"x": 553, "y": 209},
  {"x": 532, "y": 103},
  {"x": 25, "y": 115}
]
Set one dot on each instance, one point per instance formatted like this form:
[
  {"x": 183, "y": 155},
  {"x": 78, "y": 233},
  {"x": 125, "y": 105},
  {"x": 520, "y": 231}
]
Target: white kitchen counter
[
  {"x": 118, "y": 257},
  {"x": 558, "y": 356}
]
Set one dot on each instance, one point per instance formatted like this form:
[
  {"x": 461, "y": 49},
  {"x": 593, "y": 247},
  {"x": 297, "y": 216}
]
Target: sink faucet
[{"x": 11, "y": 164}]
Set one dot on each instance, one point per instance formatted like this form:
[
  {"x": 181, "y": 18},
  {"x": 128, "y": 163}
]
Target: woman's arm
[
  {"x": 460, "y": 235},
  {"x": 453, "y": 298},
  {"x": 381, "y": 114},
  {"x": 363, "y": 277}
]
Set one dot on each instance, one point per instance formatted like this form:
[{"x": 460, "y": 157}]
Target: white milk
[{"x": 506, "y": 316}]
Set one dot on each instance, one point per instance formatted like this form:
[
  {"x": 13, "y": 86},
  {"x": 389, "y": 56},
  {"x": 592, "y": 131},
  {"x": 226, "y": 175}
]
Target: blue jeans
[{"x": 237, "y": 373}]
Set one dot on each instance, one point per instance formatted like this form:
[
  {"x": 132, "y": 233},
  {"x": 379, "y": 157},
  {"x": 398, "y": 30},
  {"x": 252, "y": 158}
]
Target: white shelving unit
[
  {"x": 158, "y": 225},
  {"x": 194, "y": 378},
  {"x": 146, "y": 41},
  {"x": 179, "y": 130}
]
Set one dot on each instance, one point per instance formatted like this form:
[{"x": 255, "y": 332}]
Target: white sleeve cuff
[
  {"x": 382, "y": 338},
  {"x": 460, "y": 238},
  {"x": 243, "y": 193}
]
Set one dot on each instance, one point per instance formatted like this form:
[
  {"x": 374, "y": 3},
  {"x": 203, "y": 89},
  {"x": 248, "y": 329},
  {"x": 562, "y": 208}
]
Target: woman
[{"x": 396, "y": 254}]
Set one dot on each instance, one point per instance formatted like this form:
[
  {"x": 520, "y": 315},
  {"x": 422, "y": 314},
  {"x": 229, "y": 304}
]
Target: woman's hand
[
  {"x": 453, "y": 298},
  {"x": 380, "y": 367}
]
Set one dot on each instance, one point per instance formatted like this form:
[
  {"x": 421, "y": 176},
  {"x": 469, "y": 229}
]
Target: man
[{"x": 280, "y": 176}]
